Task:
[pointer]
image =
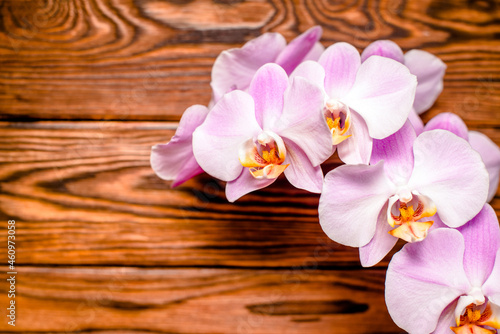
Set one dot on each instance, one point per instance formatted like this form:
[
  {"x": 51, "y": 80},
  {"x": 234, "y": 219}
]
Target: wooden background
[{"x": 104, "y": 246}]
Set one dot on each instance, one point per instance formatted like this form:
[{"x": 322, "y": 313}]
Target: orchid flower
[
  {"x": 428, "y": 68},
  {"x": 175, "y": 160},
  {"x": 235, "y": 68},
  {"x": 362, "y": 101},
  {"x": 249, "y": 139},
  {"x": 450, "y": 282},
  {"x": 410, "y": 179},
  {"x": 489, "y": 151},
  {"x": 232, "y": 69}
]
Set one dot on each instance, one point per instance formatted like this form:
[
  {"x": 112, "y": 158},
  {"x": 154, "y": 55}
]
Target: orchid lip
[
  {"x": 405, "y": 210},
  {"x": 338, "y": 118},
  {"x": 264, "y": 155},
  {"x": 476, "y": 319}
]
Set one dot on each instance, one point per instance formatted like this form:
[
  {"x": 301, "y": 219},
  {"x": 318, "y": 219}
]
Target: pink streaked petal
[
  {"x": 490, "y": 153},
  {"x": 351, "y": 201},
  {"x": 267, "y": 89},
  {"x": 192, "y": 117},
  {"x": 491, "y": 288},
  {"x": 482, "y": 240},
  {"x": 301, "y": 173},
  {"x": 244, "y": 184},
  {"x": 217, "y": 141},
  {"x": 341, "y": 62},
  {"x": 316, "y": 52},
  {"x": 190, "y": 170},
  {"x": 451, "y": 174},
  {"x": 381, "y": 243},
  {"x": 383, "y": 48},
  {"x": 383, "y": 95},
  {"x": 446, "y": 320},
  {"x": 416, "y": 122},
  {"x": 424, "y": 278},
  {"x": 429, "y": 70},
  {"x": 175, "y": 160},
  {"x": 397, "y": 152},
  {"x": 450, "y": 122},
  {"x": 438, "y": 223},
  {"x": 234, "y": 68},
  {"x": 302, "y": 120},
  {"x": 297, "y": 50},
  {"x": 312, "y": 71},
  {"x": 356, "y": 149}
]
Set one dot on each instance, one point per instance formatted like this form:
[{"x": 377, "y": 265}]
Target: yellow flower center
[
  {"x": 338, "y": 118},
  {"x": 265, "y": 156},
  {"x": 407, "y": 218},
  {"x": 473, "y": 320}
]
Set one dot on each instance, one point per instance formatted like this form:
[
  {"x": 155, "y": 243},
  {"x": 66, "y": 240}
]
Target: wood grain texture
[
  {"x": 132, "y": 300},
  {"x": 85, "y": 194},
  {"x": 151, "y": 59}
]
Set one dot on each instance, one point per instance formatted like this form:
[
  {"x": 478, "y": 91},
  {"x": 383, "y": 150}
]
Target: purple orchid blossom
[
  {"x": 362, "y": 101},
  {"x": 232, "y": 69},
  {"x": 449, "y": 282},
  {"x": 175, "y": 160},
  {"x": 409, "y": 178},
  {"x": 249, "y": 139},
  {"x": 428, "y": 68},
  {"x": 489, "y": 151},
  {"x": 235, "y": 68}
]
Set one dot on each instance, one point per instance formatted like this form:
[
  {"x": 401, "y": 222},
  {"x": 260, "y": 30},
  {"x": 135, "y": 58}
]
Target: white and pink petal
[
  {"x": 450, "y": 122},
  {"x": 245, "y": 183},
  {"x": 302, "y": 120},
  {"x": 397, "y": 153},
  {"x": 381, "y": 243},
  {"x": 301, "y": 173},
  {"x": 267, "y": 89},
  {"x": 217, "y": 142},
  {"x": 416, "y": 122},
  {"x": 312, "y": 71},
  {"x": 451, "y": 174},
  {"x": 351, "y": 201},
  {"x": 424, "y": 278},
  {"x": 382, "y": 94},
  {"x": 357, "y": 148},
  {"x": 491, "y": 288},
  {"x": 341, "y": 62},
  {"x": 429, "y": 70},
  {"x": 383, "y": 48},
  {"x": 175, "y": 160},
  {"x": 235, "y": 68},
  {"x": 490, "y": 153},
  {"x": 482, "y": 240},
  {"x": 299, "y": 49}
]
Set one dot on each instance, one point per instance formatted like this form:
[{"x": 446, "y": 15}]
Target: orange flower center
[
  {"x": 407, "y": 219},
  {"x": 338, "y": 118},
  {"x": 473, "y": 320},
  {"x": 265, "y": 156}
]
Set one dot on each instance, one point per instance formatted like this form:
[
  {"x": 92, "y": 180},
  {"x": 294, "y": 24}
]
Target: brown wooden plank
[
  {"x": 128, "y": 299},
  {"x": 151, "y": 59},
  {"x": 84, "y": 194}
]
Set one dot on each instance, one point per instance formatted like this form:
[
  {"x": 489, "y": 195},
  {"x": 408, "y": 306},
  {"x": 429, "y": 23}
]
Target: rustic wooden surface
[{"x": 104, "y": 246}]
